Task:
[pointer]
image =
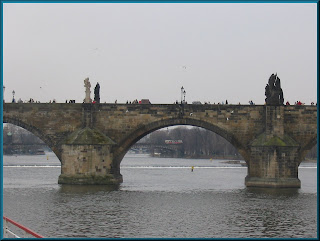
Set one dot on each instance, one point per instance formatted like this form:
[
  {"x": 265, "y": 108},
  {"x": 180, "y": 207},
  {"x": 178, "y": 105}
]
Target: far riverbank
[{"x": 229, "y": 157}]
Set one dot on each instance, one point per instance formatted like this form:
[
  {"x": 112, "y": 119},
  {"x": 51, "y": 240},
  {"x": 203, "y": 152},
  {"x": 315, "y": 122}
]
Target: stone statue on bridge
[
  {"x": 273, "y": 91},
  {"x": 97, "y": 93},
  {"x": 88, "y": 91}
]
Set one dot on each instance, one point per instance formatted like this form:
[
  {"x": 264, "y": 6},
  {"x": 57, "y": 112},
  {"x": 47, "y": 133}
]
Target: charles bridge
[{"x": 91, "y": 139}]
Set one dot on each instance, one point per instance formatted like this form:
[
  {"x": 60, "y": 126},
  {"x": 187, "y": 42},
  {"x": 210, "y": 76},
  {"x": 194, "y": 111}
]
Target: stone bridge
[{"x": 91, "y": 140}]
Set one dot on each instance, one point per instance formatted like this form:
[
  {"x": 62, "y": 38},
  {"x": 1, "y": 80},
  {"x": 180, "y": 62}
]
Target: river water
[{"x": 159, "y": 198}]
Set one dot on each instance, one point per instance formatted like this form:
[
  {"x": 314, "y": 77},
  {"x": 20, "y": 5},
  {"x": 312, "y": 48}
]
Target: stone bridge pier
[
  {"x": 273, "y": 166},
  {"x": 274, "y": 157},
  {"x": 83, "y": 163}
]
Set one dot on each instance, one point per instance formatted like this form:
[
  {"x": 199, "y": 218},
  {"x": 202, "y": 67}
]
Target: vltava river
[{"x": 159, "y": 198}]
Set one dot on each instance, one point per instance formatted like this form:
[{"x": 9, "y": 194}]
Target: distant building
[
  {"x": 196, "y": 103},
  {"x": 144, "y": 101},
  {"x": 173, "y": 142}
]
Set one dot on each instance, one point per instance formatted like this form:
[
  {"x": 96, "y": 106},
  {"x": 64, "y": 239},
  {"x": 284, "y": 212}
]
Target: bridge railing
[{"x": 9, "y": 233}]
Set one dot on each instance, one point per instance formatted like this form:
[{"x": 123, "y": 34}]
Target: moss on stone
[
  {"x": 275, "y": 141},
  {"x": 88, "y": 136},
  {"x": 262, "y": 140}
]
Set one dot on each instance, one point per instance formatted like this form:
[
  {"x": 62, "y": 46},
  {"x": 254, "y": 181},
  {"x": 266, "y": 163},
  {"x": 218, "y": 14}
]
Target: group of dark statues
[{"x": 273, "y": 91}]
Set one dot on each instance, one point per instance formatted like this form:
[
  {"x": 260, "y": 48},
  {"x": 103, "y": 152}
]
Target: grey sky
[{"x": 139, "y": 50}]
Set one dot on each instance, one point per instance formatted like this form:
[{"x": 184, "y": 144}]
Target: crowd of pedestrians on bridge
[
  {"x": 298, "y": 102},
  {"x": 31, "y": 100},
  {"x": 133, "y": 102}
]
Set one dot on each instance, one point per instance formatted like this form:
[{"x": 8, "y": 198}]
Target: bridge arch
[
  {"x": 34, "y": 130},
  {"x": 144, "y": 130},
  {"x": 306, "y": 148}
]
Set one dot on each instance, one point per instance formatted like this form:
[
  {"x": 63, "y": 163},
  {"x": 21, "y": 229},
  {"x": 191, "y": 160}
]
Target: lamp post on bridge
[
  {"x": 3, "y": 92},
  {"x": 13, "y": 93},
  {"x": 183, "y": 94}
]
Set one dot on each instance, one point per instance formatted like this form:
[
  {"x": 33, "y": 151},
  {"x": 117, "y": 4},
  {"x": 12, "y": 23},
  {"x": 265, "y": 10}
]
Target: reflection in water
[
  {"x": 273, "y": 192},
  {"x": 265, "y": 212},
  {"x": 77, "y": 189}
]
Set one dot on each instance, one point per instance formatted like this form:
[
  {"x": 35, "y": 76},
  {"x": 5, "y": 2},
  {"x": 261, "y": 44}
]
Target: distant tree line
[
  {"x": 201, "y": 143},
  {"x": 17, "y": 140},
  {"x": 197, "y": 142}
]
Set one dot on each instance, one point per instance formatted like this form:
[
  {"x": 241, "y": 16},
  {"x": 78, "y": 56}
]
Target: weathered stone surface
[
  {"x": 273, "y": 140},
  {"x": 88, "y": 136},
  {"x": 272, "y": 165},
  {"x": 86, "y": 159}
]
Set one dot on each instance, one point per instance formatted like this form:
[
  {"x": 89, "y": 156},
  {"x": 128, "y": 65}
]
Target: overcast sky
[{"x": 216, "y": 51}]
